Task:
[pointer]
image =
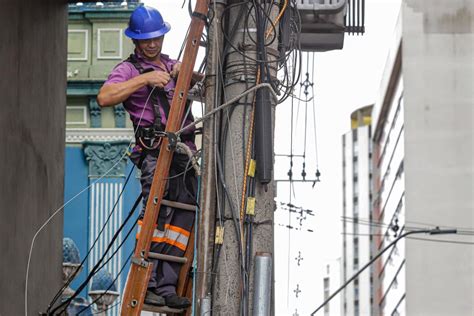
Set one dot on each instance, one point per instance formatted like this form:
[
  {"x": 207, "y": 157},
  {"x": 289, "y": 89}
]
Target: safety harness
[{"x": 149, "y": 137}]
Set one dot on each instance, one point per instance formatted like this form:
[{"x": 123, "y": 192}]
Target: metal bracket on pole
[{"x": 140, "y": 262}]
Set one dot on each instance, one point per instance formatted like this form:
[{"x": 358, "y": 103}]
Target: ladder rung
[
  {"x": 163, "y": 257},
  {"x": 183, "y": 206},
  {"x": 161, "y": 309}
]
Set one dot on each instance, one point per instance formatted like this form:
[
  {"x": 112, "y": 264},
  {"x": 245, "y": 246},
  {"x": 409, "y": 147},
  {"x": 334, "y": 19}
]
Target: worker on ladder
[{"x": 145, "y": 84}]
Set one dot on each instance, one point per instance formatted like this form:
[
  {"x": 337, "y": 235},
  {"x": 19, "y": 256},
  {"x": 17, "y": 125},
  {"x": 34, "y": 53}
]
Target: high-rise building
[
  {"x": 356, "y": 219},
  {"x": 423, "y": 163},
  {"x": 331, "y": 282},
  {"x": 389, "y": 190}
]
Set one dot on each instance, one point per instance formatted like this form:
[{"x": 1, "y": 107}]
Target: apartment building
[{"x": 356, "y": 219}]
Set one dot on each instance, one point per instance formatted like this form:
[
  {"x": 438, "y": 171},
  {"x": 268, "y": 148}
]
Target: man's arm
[{"x": 114, "y": 93}]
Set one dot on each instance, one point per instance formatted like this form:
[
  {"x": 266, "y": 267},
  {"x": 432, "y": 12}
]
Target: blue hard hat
[{"x": 145, "y": 23}]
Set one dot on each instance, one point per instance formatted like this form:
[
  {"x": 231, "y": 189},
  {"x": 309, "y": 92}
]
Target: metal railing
[{"x": 355, "y": 17}]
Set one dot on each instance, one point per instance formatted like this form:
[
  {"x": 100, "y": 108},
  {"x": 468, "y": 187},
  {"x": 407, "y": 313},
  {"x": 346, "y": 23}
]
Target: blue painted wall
[{"x": 77, "y": 212}]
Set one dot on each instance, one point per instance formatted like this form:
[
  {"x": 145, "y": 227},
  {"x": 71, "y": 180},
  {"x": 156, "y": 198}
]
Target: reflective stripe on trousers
[{"x": 172, "y": 235}]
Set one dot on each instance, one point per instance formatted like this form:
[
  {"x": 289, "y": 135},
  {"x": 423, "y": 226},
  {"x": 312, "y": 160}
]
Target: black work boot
[
  {"x": 152, "y": 298},
  {"x": 175, "y": 301}
]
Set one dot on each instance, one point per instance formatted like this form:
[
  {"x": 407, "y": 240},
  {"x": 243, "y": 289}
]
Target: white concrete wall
[
  {"x": 32, "y": 119},
  {"x": 438, "y": 70}
]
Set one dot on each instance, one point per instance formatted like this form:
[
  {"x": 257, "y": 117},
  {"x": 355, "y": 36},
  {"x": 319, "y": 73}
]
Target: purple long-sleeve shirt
[
  {"x": 135, "y": 104},
  {"x": 140, "y": 113}
]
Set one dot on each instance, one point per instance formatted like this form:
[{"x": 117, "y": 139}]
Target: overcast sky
[{"x": 344, "y": 81}]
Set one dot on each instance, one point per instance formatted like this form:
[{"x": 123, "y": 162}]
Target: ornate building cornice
[
  {"x": 81, "y": 135},
  {"x": 95, "y": 112},
  {"x": 119, "y": 114},
  {"x": 107, "y": 158}
]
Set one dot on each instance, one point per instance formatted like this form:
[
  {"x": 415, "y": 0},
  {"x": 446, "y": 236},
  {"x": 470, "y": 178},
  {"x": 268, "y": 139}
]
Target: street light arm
[{"x": 435, "y": 231}]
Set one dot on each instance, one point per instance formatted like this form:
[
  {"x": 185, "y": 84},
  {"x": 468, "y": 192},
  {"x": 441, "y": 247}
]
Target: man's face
[{"x": 150, "y": 48}]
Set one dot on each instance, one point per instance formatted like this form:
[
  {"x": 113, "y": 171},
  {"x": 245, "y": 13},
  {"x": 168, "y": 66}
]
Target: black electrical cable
[
  {"x": 220, "y": 96},
  {"x": 192, "y": 196},
  {"x": 368, "y": 222},
  {"x": 219, "y": 78},
  {"x": 95, "y": 268},
  {"x": 225, "y": 120},
  {"x": 111, "y": 284},
  {"x": 120, "y": 245},
  {"x": 244, "y": 71},
  {"x": 235, "y": 215},
  {"x": 188, "y": 167},
  {"x": 68, "y": 282},
  {"x": 237, "y": 50}
]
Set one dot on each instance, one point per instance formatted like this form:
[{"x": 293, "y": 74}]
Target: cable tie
[
  {"x": 250, "y": 206},
  {"x": 201, "y": 17},
  {"x": 252, "y": 167},
  {"x": 219, "y": 235}
]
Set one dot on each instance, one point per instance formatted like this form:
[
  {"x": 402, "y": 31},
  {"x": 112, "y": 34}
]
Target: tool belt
[{"x": 150, "y": 138}]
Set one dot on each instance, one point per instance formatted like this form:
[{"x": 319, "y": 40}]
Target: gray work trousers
[{"x": 173, "y": 224}]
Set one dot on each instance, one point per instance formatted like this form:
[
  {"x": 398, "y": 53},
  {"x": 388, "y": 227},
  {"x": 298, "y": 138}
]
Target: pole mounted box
[
  {"x": 322, "y": 24},
  {"x": 325, "y": 22}
]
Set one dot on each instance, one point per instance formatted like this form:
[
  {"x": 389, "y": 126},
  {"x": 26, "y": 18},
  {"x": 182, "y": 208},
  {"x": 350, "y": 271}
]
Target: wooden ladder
[{"x": 140, "y": 271}]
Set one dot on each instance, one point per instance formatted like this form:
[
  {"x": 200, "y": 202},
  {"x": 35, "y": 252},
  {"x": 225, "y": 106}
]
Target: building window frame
[
  {"x": 84, "y": 114},
  {"x": 86, "y": 45},
  {"x": 120, "y": 54}
]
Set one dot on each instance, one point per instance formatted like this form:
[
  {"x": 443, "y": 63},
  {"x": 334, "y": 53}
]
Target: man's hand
[
  {"x": 156, "y": 78},
  {"x": 175, "y": 71}
]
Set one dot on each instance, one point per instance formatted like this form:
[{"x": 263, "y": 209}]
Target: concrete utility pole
[{"x": 228, "y": 287}]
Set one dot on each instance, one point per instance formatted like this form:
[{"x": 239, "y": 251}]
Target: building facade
[
  {"x": 389, "y": 191},
  {"x": 97, "y": 168},
  {"x": 356, "y": 219},
  {"x": 331, "y": 282},
  {"x": 423, "y": 163}
]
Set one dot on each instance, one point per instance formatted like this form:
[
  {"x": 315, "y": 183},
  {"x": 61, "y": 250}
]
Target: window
[
  {"x": 326, "y": 294},
  {"x": 109, "y": 44},
  {"x": 326, "y": 285},
  {"x": 354, "y": 135},
  {"x": 77, "y": 45},
  {"x": 76, "y": 115},
  {"x": 400, "y": 169}
]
